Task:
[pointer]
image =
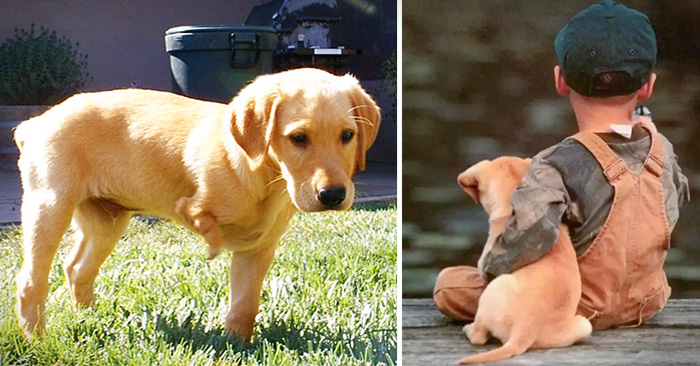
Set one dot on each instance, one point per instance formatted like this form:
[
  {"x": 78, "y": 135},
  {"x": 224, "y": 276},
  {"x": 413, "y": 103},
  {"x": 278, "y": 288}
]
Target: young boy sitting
[{"x": 619, "y": 195}]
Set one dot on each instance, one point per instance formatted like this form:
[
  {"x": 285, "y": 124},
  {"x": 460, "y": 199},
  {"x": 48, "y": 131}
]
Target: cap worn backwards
[{"x": 606, "y": 49}]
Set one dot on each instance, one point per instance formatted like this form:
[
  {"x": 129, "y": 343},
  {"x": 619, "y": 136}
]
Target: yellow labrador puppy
[
  {"x": 233, "y": 173},
  {"x": 535, "y": 306}
]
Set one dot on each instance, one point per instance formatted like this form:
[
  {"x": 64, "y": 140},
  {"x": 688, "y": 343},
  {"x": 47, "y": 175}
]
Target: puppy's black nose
[{"x": 332, "y": 197}]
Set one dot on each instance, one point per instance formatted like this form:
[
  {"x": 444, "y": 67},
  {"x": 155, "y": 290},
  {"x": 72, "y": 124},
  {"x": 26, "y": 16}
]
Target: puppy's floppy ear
[
  {"x": 469, "y": 180},
  {"x": 253, "y": 113},
  {"x": 367, "y": 116}
]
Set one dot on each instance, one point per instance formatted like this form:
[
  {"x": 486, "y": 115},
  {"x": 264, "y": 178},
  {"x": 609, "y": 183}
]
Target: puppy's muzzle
[{"x": 332, "y": 197}]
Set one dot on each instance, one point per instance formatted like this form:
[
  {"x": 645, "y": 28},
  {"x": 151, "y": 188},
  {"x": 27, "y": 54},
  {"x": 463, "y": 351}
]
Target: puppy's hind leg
[
  {"x": 477, "y": 332},
  {"x": 45, "y": 218},
  {"x": 99, "y": 226},
  {"x": 582, "y": 328},
  {"x": 574, "y": 330}
]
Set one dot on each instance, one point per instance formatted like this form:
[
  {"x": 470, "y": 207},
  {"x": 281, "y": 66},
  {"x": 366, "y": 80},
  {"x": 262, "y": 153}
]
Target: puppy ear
[
  {"x": 469, "y": 180},
  {"x": 368, "y": 117},
  {"x": 252, "y": 114}
]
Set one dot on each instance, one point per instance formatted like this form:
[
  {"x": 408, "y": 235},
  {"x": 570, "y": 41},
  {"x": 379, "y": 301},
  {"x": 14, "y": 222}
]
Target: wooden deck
[{"x": 672, "y": 337}]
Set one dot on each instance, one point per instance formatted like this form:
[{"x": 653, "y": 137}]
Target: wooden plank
[
  {"x": 419, "y": 313},
  {"x": 671, "y": 337},
  {"x": 446, "y": 345},
  {"x": 678, "y": 313}
]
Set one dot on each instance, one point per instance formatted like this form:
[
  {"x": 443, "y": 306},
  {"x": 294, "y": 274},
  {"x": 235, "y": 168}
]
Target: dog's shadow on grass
[
  {"x": 192, "y": 333},
  {"x": 377, "y": 347}
]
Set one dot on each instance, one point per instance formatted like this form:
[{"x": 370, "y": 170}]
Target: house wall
[{"x": 124, "y": 39}]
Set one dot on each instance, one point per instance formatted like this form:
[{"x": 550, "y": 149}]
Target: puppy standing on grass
[
  {"x": 233, "y": 173},
  {"x": 535, "y": 306}
]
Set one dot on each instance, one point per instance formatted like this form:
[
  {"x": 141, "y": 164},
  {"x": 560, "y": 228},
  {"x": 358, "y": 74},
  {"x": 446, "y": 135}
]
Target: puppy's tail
[
  {"x": 515, "y": 346},
  {"x": 20, "y": 136}
]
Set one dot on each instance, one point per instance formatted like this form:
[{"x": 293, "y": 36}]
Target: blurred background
[{"x": 477, "y": 84}]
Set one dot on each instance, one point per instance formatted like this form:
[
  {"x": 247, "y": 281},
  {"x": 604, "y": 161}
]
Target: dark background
[{"x": 477, "y": 84}]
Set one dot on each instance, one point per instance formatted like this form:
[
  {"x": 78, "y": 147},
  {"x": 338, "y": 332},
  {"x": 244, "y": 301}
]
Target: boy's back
[{"x": 566, "y": 184}]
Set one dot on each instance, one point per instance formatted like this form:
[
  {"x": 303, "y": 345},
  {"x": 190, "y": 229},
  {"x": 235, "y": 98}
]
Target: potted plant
[
  {"x": 384, "y": 148},
  {"x": 37, "y": 69}
]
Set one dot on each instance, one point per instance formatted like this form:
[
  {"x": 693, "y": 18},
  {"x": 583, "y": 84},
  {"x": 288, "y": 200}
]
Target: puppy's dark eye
[
  {"x": 347, "y": 136},
  {"x": 299, "y": 138}
]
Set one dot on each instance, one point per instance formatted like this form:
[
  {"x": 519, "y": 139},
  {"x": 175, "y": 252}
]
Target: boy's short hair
[{"x": 606, "y": 50}]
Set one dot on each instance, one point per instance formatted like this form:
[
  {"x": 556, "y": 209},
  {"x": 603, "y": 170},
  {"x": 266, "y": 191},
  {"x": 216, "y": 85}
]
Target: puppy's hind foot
[
  {"x": 583, "y": 328},
  {"x": 476, "y": 335}
]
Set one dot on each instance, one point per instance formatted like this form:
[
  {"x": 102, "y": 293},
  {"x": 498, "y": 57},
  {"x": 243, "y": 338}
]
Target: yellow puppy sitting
[
  {"x": 535, "y": 306},
  {"x": 234, "y": 173}
]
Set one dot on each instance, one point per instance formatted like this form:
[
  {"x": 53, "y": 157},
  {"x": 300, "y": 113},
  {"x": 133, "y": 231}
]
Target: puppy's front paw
[
  {"x": 240, "y": 327},
  {"x": 204, "y": 223},
  {"x": 213, "y": 253}
]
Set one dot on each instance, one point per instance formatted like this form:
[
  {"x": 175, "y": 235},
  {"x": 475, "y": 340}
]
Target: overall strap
[
  {"x": 655, "y": 160},
  {"x": 613, "y": 166}
]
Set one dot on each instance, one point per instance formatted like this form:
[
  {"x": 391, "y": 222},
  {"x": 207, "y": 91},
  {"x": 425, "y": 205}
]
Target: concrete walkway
[
  {"x": 10, "y": 197},
  {"x": 376, "y": 184}
]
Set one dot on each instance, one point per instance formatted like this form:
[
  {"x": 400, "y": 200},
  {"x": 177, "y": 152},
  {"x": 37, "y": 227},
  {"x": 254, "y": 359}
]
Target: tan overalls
[{"x": 623, "y": 281}]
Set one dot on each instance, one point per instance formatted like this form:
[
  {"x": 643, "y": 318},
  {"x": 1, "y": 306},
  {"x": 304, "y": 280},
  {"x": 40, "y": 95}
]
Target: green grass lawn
[{"x": 329, "y": 299}]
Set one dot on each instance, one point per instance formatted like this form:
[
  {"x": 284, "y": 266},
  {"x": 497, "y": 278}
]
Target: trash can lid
[
  {"x": 219, "y": 28},
  {"x": 216, "y": 37}
]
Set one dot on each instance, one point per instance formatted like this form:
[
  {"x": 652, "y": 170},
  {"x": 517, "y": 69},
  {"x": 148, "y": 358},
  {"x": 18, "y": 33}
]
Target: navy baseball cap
[{"x": 606, "y": 50}]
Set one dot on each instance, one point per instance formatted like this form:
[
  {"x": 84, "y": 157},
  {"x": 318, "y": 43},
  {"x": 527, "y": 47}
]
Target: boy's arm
[
  {"x": 538, "y": 206},
  {"x": 681, "y": 183},
  {"x": 676, "y": 191},
  {"x": 679, "y": 180}
]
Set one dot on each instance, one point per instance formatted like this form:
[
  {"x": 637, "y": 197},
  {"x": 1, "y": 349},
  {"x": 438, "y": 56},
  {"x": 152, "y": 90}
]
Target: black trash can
[{"x": 213, "y": 62}]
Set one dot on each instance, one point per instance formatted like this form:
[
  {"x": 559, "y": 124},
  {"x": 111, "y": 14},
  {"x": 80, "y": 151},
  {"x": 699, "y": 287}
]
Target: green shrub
[
  {"x": 40, "y": 68},
  {"x": 388, "y": 71}
]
